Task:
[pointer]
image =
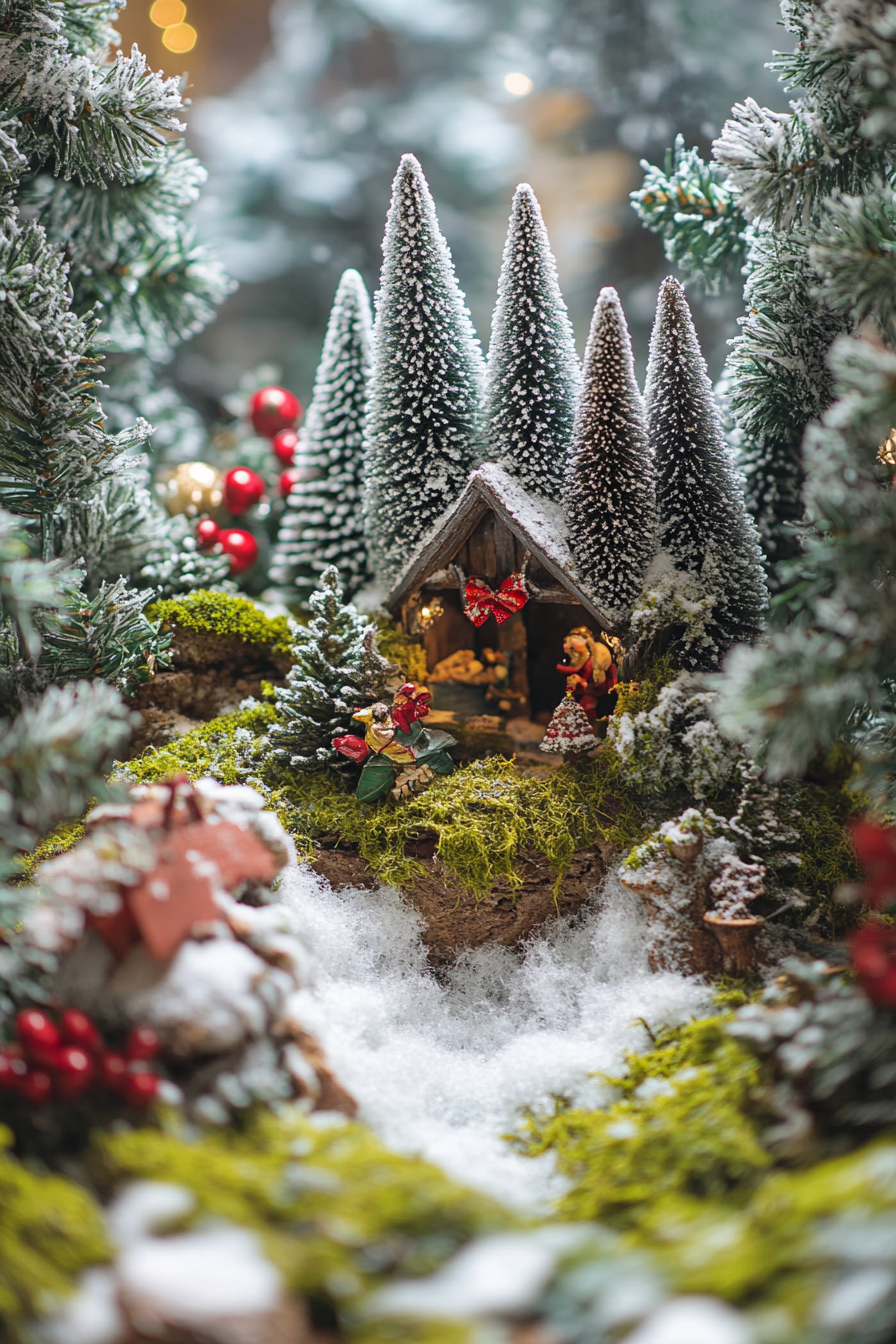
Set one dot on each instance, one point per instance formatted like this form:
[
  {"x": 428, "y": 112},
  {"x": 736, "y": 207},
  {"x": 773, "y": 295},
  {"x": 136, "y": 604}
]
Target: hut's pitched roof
[{"x": 539, "y": 524}]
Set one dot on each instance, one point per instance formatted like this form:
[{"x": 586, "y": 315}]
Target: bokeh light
[
  {"x": 180, "y": 37},
  {"x": 167, "y": 13},
  {"x": 518, "y": 84}
]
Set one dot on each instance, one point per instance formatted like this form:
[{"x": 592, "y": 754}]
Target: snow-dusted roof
[{"x": 539, "y": 523}]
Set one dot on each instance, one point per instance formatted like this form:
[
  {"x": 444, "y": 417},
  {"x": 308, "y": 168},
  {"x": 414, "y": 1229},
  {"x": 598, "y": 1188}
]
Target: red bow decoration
[{"x": 480, "y": 601}]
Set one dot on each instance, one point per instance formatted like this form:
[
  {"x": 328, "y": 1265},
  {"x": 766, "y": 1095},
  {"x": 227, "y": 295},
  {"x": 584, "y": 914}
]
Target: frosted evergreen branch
[
  {"x": 694, "y": 209},
  {"x": 854, "y": 253},
  {"x": 783, "y": 164},
  {"x": 98, "y": 123},
  {"x": 107, "y": 637},
  {"x": 51, "y": 758}
]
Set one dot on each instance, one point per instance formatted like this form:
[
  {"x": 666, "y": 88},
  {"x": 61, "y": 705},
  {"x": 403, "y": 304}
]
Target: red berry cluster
[
  {"x": 874, "y": 944},
  {"x": 59, "y": 1062}
]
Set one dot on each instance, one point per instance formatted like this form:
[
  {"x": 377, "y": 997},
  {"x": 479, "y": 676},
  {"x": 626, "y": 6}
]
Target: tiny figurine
[
  {"x": 591, "y": 672},
  {"x": 397, "y": 753}
]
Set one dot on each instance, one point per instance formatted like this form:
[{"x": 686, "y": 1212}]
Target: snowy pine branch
[
  {"x": 854, "y": 253},
  {"x": 695, "y": 210}
]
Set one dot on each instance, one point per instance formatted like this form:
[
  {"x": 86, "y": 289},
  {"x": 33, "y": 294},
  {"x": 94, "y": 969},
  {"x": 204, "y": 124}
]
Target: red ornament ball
[
  {"x": 288, "y": 479},
  {"x": 36, "y": 1033},
  {"x": 143, "y": 1043},
  {"x": 273, "y": 409},
  {"x": 284, "y": 445},
  {"x": 207, "y": 533},
  {"x": 242, "y": 548},
  {"x": 141, "y": 1089},
  {"x": 78, "y": 1029},
  {"x": 12, "y": 1067},
  {"x": 243, "y": 487},
  {"x": 74, "y": 1070}
]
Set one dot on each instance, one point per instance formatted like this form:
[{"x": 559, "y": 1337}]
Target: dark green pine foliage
[
  {"x": 426, "y": 380},
  {"x": 336, "y": 670},
  {"x": 807, "y": 193},
  {"x": 322, "y": 524},
  {"x": 533, "y": 372},
  {"x": 704, "y": 529},
  {"x": 610, "y": 495}
]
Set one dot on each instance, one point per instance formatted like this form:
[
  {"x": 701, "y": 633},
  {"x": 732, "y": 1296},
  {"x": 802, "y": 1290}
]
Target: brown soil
[
  {"x": 211, "y": 675},
  {"x": 453, "y": 920}
]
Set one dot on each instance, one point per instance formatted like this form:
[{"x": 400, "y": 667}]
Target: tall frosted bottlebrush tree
[
  {"x": 533, "y": 371},
  {"x": 707, "y": 578},
  {"x": 426, "y": 381},
  {"x": 801, "y": 201},
  {"x": 610, "y": 492},
  {"x": 99, "y": 169},
  {"x": 322, "y": 524}
]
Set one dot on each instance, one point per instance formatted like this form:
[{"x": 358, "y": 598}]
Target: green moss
[
  {"x": 686, "y": 1124},
  {"x": 215, "y": 748},
  {"x": 60, "y": 840},
  {"x": 400, "y": 648},
  {"x": 821, "y": 816},
  {"x": 224, "y": 614},
  {"x": 50, "y": 1230},
  {"x": 637, "y": 697},
  {"x": 338, "y": 1212}
]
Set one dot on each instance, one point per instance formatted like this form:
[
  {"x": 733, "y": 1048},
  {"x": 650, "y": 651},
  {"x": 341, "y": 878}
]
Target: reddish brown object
[
  {"x": 355, "y": 748},
  {"x": 874, "y": 958},
  {"x": 243, "y": 487},
  {"x": 143, "y": 1044},
  {"x": 288, "y": 479},
  {"x": 118, "y": 931},
  {"x": 272, "y": 409},
  {"x": 284, "y": 445},
  {"x": 74, "y": 1071},
  {"x": 36, "y": 1086},
  {"x": 12, "y": 1068},
  {"x": 876, "y": 848},
  {"x": 737, "y": 939},
  {"x": 242, "y": 548},
  {"x": 113, "y": 1070},
  {"x": 207, "y": 534},
  {"x": 78, "y": 1029}
]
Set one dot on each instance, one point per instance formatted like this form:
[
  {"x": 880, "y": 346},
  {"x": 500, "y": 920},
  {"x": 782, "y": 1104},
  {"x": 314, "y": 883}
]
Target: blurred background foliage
[{"x": 302, "y": 108}]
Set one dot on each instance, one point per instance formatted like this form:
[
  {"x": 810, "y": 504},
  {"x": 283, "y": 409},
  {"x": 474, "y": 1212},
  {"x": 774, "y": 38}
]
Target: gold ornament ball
[{"x": 191, "y": 488}]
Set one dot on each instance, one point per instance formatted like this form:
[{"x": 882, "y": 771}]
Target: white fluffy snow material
[
  {"x": 693, "y": 1320},
  {"x": 211, "y": 986},
  {"x": 443, "y": 1067},
  {"x": 494, "y": 1276},
  {"x": 146, "y": 1207},
  {"x": 215, "y": 1272},
  {"x": 90, "y": 1316}
]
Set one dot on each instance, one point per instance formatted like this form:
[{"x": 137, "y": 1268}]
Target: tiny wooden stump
[{"x": 737, "y": 939}]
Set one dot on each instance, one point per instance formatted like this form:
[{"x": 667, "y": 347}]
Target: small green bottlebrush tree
[
  {"x": 534, "y": 378},
  {"x": 803, "y": 198},
  {"x": 707, "y": 575},
  {"x": 426, "y": 380},
  {"x": 610, "y": 491},
  {"x": 336, "y": 670},
  {"x": 322, "y": 524}
]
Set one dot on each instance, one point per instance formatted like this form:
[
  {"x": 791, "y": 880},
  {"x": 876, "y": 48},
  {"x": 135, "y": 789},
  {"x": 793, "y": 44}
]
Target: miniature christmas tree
[
  {"x": 704, "y": 530},
  {"x": 569, "y": 729},
  {"x": 322, "y": 524},
  {"x": 610, "y": 496},
  {"x": 425, "y": 382},
  {"x": 336, "y": 670},
  {"x": 533, "y": 371}
]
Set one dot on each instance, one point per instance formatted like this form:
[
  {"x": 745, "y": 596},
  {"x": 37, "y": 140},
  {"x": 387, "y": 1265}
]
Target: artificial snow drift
[{"x": 442, "y": 1067}]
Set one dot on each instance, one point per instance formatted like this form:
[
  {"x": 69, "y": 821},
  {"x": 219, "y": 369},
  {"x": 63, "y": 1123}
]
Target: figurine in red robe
[{"x": 591, "y": 672}]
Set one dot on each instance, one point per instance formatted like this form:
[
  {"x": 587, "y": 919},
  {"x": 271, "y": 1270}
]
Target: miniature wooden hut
[{"x": 495, "y": 530}]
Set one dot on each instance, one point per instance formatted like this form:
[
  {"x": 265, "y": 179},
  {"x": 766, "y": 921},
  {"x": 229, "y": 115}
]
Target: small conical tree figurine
[
  {"x": 569, "y": 731},
  {"x": 322, "y": 524},
  {"x": 610, "y": 498},
  {"x": 533, "y": 370},
  {"x": 336, "y": 670},
  {"x": 425, "y": 383},
  {"x": 704, "y": 529}
]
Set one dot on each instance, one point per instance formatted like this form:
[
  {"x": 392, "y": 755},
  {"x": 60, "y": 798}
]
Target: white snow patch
[
  {"x": 442, "y": 1067},
  {"x": 693, "y": 1320},
  {"x": 215, "y": 1272}
]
